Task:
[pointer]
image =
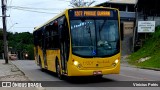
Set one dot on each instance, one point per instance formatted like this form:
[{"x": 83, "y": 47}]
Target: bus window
[
  {"x": 35, "y": 38},
  {"x": 54, "y": 36},
  {"x": 55, "y": 27},
  {"x": 47, "y": 37},
  {"x": 39, "y": 33}
]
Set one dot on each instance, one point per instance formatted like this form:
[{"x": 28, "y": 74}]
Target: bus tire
[
  {"x": 40, "y": 64},
  {"x": 58, "y": 70}
]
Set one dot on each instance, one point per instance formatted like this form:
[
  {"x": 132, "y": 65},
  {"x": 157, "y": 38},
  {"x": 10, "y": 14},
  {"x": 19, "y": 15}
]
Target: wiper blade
[{"x": 100, "y": 28}]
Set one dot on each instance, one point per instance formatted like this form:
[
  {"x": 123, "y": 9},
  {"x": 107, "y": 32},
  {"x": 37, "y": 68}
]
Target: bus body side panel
[
  {"x": 35, "y": 56},
  {"x": 51, "y": 59},
  {"x": 50, "y": 55}
]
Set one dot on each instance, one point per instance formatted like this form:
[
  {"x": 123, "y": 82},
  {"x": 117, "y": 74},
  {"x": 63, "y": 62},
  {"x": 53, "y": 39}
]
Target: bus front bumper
[{"x": 75, "y": 71}]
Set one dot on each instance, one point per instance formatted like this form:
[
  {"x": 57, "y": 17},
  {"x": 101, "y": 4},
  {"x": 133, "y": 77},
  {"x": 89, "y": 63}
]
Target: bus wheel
[
  {"x": 58, "y": 70},
  {"x": 40, "y": 64}
]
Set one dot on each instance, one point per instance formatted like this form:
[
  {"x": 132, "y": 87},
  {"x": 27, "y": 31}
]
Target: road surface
[{"x": 33, "y": 72}]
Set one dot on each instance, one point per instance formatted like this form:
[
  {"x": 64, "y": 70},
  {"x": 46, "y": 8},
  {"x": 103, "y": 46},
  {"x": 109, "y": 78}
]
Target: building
[
  {"x": 146, "y": 10},
  {"x": 126, "y": 7},
  {"x": 127, "y": 16}
]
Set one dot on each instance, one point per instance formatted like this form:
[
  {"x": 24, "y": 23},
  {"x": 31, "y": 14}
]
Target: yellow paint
[
  {"x": 88, "y": 65},
  {"x": 51, "y": 57}
]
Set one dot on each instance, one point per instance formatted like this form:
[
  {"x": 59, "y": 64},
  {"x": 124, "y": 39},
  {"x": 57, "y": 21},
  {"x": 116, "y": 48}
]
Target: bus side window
[
  {"x": 35, "y": 34},
  {"x": 47, "y": 38},
  {"x": 51, "y": 36},
  {"x": 39, "y": 33},
  {"x": 65, "y": 37},
  {"x": 55, "y": 36},
  {"x": 43, "y": 38},
  {"x": 55, "y": 27},
  {"x": 63, "y": 28}
]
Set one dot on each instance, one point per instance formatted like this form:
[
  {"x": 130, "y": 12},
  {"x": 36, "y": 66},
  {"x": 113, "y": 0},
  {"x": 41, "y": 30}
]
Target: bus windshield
[{"x": 95, "y": 37}]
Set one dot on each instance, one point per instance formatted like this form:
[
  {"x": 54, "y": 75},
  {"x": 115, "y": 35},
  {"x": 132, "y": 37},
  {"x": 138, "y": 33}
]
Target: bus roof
[
  {"x": 63, "y": 13},
  {"x": 36, "y": 28}
]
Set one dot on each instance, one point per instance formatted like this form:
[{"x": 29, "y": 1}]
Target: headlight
[
  {"x": 116, "y": 61},
  {"x": 75, "y": 63}
]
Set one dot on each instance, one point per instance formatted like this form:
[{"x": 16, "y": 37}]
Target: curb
[
  {"x": 38, "y": 88},
  {"x": 18, "y": 69},
  {"x": 149, "y": 68}
]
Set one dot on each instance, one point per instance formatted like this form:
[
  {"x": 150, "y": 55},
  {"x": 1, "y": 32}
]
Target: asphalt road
[{"x": 108, "y": 82}]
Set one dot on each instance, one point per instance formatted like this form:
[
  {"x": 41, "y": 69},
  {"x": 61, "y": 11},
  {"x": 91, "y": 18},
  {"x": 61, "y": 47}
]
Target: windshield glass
[{"x": 95, "y": 38}]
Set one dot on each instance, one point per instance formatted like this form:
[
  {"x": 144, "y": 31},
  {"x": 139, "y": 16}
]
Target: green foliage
[
  {"x": 154, "y": 62},
  {"x": 21, "y": 43},
  {"x": 151, "y": 48}
]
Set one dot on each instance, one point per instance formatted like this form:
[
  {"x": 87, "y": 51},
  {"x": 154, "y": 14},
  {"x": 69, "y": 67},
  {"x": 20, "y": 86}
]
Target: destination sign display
[
  {"x": 90, "y": 13},
  {"x": 96, "y": 13}
]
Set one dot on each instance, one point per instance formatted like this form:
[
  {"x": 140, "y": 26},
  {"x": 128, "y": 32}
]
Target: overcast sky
[{"x": 27, "y": 14}]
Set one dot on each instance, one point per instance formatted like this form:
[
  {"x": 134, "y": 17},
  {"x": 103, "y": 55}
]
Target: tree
[
  {"x": 18, "y": 43},
  {"x": 21, "y": 43},
  {"x": 81, "y": 3}
]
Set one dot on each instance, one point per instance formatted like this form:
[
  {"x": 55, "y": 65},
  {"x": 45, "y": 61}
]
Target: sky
[{"x": 27, "y": 14}]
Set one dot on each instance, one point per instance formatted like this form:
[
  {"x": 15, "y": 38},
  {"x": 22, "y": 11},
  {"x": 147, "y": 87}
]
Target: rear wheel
[
  {"x": 58, "y": 70},
  {"x": 40, "y": 64}
]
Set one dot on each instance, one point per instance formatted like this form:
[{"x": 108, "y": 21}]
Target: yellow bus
[{"x": 80, "y": 42}]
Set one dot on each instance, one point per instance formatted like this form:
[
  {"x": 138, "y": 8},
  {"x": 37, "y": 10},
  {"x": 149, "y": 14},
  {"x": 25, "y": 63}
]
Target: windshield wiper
[
  {"x": 90, "y": 36},
  {"x": 92, "y": 43},
  {"x": 100, "y": 28}
]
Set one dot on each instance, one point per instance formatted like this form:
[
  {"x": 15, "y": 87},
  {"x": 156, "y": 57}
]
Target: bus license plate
[{"x": 97, "y": 72}]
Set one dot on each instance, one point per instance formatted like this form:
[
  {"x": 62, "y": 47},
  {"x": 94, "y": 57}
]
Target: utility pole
[{"x": 3, "y": 2}]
